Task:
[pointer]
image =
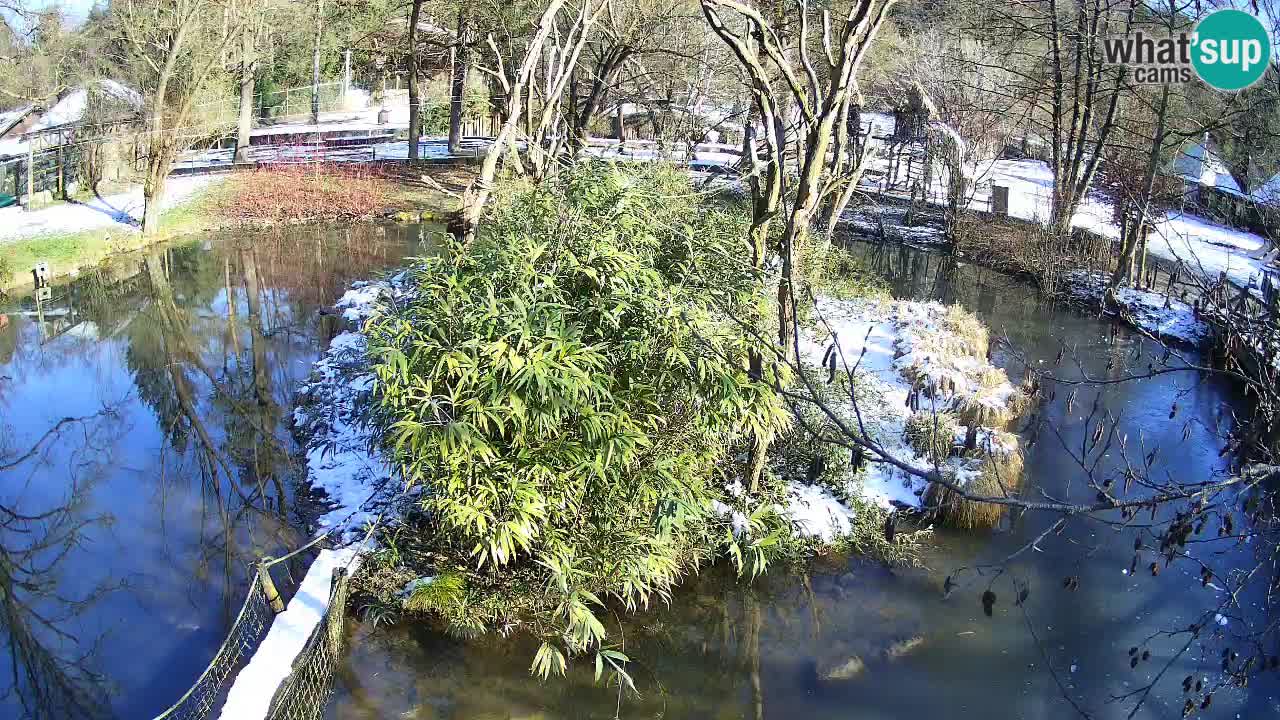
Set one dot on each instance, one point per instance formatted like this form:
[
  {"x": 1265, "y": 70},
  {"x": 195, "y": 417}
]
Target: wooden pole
[
  {"x": 269, "y": 587},
  {"x": 31, "y": 172},
  {"x": 337, "y": 610}
]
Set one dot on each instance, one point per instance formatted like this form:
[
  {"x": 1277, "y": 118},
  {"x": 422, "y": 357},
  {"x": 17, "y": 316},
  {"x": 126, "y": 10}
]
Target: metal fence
[
  {"x": 273, "y": 106},
  {"x": 52, "y": 170}
]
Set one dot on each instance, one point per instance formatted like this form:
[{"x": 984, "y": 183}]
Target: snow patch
[
  {"x": 343, "y": 458},
  {"x": 1152, "y": 312}
]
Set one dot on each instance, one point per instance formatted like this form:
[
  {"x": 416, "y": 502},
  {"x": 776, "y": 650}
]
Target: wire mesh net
[
  {"x": 245, "y": 634},
  {"x": 305, "y": 693}
]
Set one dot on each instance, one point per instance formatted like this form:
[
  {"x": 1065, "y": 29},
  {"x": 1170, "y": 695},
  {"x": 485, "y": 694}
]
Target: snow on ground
[
  {"x": 255, "y": 685},
  {"x": 1153, "y": 312},
  {"x": 122, "y": 211},
  {"x": 888, "y": 343},
  {"x": 1202, "y": 245},
  {"x": 341, "y": 459}
]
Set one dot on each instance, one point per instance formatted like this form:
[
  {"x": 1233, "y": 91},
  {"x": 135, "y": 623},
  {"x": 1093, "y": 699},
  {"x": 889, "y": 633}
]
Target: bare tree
[{"x": 172, "y": 48}]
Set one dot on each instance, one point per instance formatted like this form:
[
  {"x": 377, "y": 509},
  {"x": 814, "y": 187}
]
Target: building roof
[{"x": 1196, "y": 162}]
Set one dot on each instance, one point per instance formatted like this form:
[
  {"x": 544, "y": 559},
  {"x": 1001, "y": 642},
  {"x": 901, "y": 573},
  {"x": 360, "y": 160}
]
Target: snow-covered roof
[
  {"x": 1196, "y": 162},
  {"x": 71, "y": 107},
  {"x": 1268, "y": 193}
]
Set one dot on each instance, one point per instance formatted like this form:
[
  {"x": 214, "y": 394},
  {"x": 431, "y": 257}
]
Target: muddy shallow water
[{"x": 853, "y": 640}]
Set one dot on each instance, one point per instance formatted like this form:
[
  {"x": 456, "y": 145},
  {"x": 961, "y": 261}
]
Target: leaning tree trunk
[
  {"x": 458, "y": 83},
  {"x": 415, "y": 101},
  {"x": 477, "y": 193}
]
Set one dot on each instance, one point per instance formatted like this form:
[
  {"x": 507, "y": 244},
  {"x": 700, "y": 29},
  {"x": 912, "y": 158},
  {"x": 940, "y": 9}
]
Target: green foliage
[
  {"x": 566, "y": 390},
  {"x": 441, "y": 594},
  {"x": 833, "y": 271}
]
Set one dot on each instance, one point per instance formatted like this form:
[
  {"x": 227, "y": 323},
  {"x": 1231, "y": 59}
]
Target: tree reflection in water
[
  {"x": 52, "y": 674},
  {"x": 126, "y": 538}
]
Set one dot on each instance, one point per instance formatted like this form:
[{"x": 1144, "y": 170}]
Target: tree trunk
[
  {"x": 161, "y": 156},
  {"x": 315, "y": 65},
  {"x": 415, "y": 101},
  {"x": 247, "y": 68},
  {"x": 1137, "y": 233},
  {"x": 458, "y": 83},
  {"x": 477, "y": 193}
]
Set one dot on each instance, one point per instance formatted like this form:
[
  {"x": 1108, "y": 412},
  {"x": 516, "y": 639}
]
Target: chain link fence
[{"x": 305, "y": 693}]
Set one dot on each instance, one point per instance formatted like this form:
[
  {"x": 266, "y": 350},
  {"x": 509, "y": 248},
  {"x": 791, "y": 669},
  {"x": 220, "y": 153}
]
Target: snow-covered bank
[
  {"x": 1153, "y": 312},
  {"x": 912, "y": 360},
  {"x": 121, "y": 212},
  {"x": 343, "y": 461},
  {"x": 355, "y": 477},
  {"x": 1202, "y": 246}
]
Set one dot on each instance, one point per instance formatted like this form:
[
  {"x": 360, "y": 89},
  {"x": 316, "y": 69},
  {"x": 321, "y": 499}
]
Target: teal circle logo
[{"x": 1231, "y": 49}]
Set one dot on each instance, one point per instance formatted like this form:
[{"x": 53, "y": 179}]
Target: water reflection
[
  {"x": 853, "y": 641},
  {"x": 126, "y": 534}
]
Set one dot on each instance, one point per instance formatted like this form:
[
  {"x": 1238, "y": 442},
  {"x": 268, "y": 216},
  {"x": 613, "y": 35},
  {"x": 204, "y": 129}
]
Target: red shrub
[{"x": 312, "y": 191}]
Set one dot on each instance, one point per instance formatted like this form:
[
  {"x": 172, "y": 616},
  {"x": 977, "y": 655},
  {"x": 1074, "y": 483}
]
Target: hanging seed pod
[
  {"x": 988, "y": 602},
  {"x": 1133, "y": 663},
  {"x": 1173, "y": 410},
  {"x": 1155, "y": 569},
  {"x": 1146, "y": 655}
]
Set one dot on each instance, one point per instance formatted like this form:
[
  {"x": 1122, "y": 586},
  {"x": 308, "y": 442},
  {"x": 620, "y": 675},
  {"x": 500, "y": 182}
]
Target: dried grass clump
[
  {"x": 995, "y": 404},
  {"x": 999, "y": 475},
  {"x": 932, "y": 435},
  {"x": 969, "y": 332}
]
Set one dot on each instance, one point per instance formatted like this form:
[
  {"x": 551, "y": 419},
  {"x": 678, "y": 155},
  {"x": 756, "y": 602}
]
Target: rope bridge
[{"x": 305, "y": 692}]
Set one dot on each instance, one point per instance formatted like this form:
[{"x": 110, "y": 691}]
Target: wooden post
[
  {"x": 269, "y": 587},
  {"x": 337, "y": 610},
  {"x": 31, "y": 173}
]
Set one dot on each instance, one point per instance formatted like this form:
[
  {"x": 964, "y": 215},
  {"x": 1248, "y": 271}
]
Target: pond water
[
  {"x": 146, "y": 457},
  {"x": 726, "y": 650}
]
